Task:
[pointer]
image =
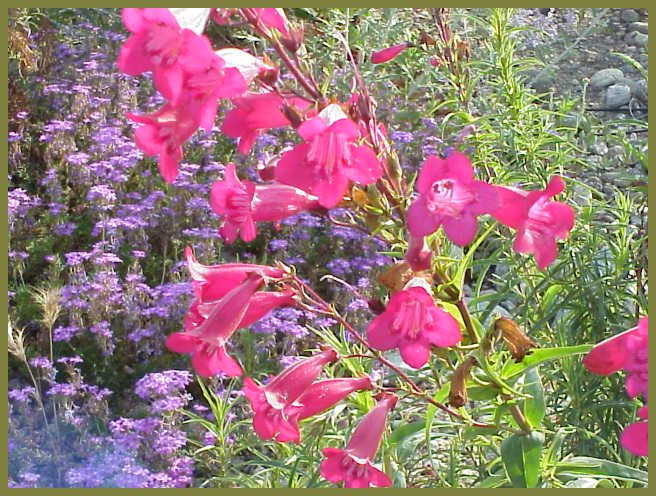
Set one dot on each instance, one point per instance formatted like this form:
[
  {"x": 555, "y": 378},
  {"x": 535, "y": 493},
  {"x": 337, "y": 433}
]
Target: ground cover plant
[{"x": 318, "y": 247}]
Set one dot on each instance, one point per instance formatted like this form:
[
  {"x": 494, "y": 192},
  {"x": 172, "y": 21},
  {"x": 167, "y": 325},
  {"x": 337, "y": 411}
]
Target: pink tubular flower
[
  {"x": 207, "y": 341},
  {"x": 625, "y": 351},
  {"x": 635, "y": 437},
  {"x": 538, "y": 220},
  {"x": 242, "y": 203},
  {"x": 204, "y": 88},
  {"x": 158, "y": 44},
  {"x": 321, "y": 395},
  {"x": 412, "y": 323},
  {"x": 353, "y": 464},
  {"x": 329, "y": 158},
  {"x": 269, "y": 402},
  {"x": 387, "y": 54},
  {"x": 256, "y": 112},
  {"x": 274, "y": 18},
  {"x": 163, "y": 134},
  {"x": 212, "y": 282},
  {"x": 449, "y": 196},
  {"x": 419, "y": 255}
]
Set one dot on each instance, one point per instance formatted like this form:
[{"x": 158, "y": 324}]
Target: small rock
[
  {"x": 640, "y": 39},
  {"x": 615, "y": 152},
  {"x": 641, "y": 27},
  {"x": 605, "y": 77},
  {"x": 639, "y": 90},
  {"x": 543, "y": 82},
  {"x": 600, "y": 148},
  {"x": 617, "y": 95},
  {"x": 629, "y": 37},
  {"x": 629, "y": 15}
]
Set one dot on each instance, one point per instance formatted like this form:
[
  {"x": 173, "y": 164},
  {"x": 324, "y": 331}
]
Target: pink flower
[
  {"x": 353, "y": 464},
  {"x": 321, "y": 395},
  {"x": 212, "y": 282},
  {"x": 207, "y": 341},
  {"x": 635, "y": 437},
  {"x": 419, "y": 255},
  {"x": 329, "y": 158},
  {"x": 158, "y": 44},
  {"x": 269, "y": 402},
  {"x": 449, "y": 196},
  {"x": 412, "y": 323},
  {"x": 387, "y": 54},
  {"x": 163, "y": 133},
  {"x": 241, "y": 204},
  {"x": 274, "y": 18},
  {"x": 204, "y": 88},
  {"x": 256, "y": 112},
  {"x": 625, "y": 351},
  {"x": 538, "y": 220}
]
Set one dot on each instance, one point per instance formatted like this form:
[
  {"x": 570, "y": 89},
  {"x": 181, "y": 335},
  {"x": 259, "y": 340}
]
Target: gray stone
[
  {"x": 639, "y": 90},
  {"x": 641, "y": 39},
  {"x": 617, "y": 95},
  {"x": 605, "y": 77},
  {"x": 543, "y": 82},
  {"x": 629, "y": 37},
  {"x": 629, "y": 15},
  {"x": 641, "y": 27}
]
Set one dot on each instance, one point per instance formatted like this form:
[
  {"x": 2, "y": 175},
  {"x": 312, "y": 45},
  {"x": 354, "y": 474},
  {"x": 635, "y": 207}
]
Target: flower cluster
[{"x": 628, "y": 351}]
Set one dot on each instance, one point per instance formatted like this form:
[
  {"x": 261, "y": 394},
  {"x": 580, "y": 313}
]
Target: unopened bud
[
  {"x": 458, "y": 392},
  {"x": 518, "y": 342},
  {"x": 294, "y": 40}
]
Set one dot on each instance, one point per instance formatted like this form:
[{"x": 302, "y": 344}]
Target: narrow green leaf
[
  {"x": 534, "y": 407},
  {"x": 521, "y": 458},
  {"x": 511, "y": 368},
  {"x": 596, "y": 467}
]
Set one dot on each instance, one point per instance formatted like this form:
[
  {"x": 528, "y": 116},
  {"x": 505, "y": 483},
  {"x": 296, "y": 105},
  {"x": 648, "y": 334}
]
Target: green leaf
[
  {"x": 405, "y": 431},
  {"x": 596, "y": 467},
  {"x": 534, "y": 407},
  {"x": 494, "y": 480},
  {"x": 521, "y": 458},
  {"x": 511, "y": 368}
]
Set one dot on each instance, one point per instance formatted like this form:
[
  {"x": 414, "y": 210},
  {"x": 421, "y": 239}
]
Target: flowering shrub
[{"x": 391, "y": 324}]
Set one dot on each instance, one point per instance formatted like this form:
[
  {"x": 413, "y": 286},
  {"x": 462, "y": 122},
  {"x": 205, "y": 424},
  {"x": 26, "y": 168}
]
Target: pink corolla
[
  {"x": 242, "y": 203},
  {"x": 627, "y": 351},
  {"x": 269, "y": 402},
  {"x": 413, "y": 323},
  {"x": 256, "y": 112},
  {"x": 353, "y": 465},
  {"x": 163, "y": 133},
  {"x": 538, "y": 219},
  {"x": 160, "y": 45},
  {"x": 450, "y": 197},
  {"x": 207, "y": 342},
  {"x": 212, "y": 282},
  {"x": 419, "y": 255},
  {"x": 274, "y": 18},
  {"x": 387, "y": 54},
  {"x": 635, "y": 437},
  {"x": 329, "y": 158},
  {"x": 203, "y": 89}
]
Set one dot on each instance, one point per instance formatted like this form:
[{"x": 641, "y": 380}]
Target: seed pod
[
  {"x": 517, "y": 341},
  {"x": 458, "y": 392}
]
